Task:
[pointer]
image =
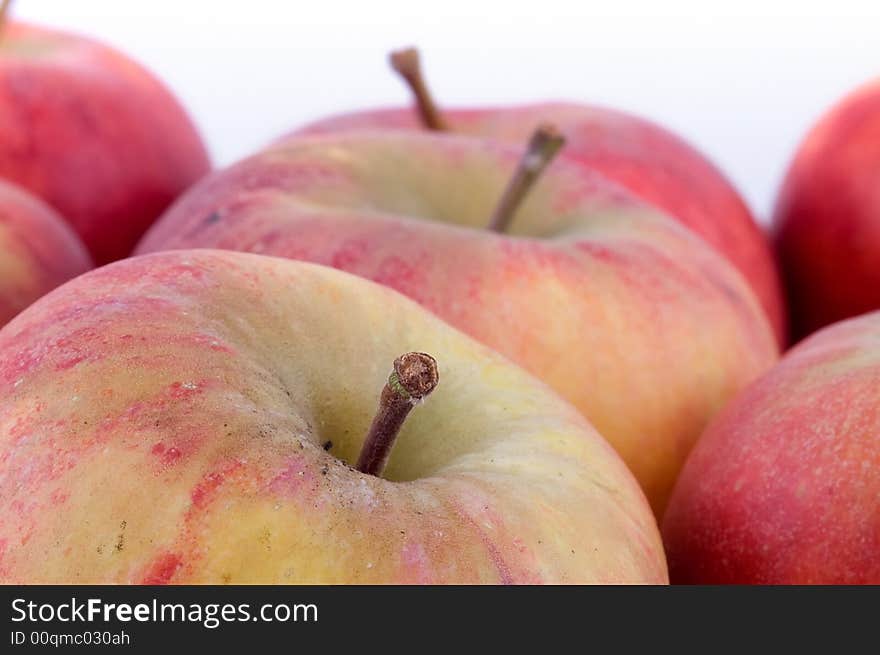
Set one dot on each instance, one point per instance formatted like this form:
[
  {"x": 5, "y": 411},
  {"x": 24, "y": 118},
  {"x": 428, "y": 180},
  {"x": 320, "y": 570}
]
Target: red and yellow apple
[
  {"x": 188, "y": 417},
  {"x": 643, "y": 157},
  {"x": 39, "y": 251},
  {"x": 827, "y": 218},
  {"x": 621, "y": 310},
  {"x": 784, "y": 487},
  {"x": 93, "y": 134}
]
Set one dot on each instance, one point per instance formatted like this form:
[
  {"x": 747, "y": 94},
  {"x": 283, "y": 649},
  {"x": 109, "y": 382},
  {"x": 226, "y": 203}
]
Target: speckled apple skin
[
  {"x": 163, "y": 420},
  {"x": 625, "y": 313},
  {"x": 641, "y": 156},
  {"x": 827, "y": 218},
  {"x": 38, "y": 251},
  {"x": 93, "y": 134},
  {"x": 784, "y": 487}
]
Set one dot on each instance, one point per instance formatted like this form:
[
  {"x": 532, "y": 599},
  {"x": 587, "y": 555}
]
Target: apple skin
[
  {"x": 40, "y": 251},
  {"x": 163, "y": 421},
  {"x": 622, "y": 311},
  {"x": 93, "y": 134},
  {"x": 641, "y": 156},
  {"x": 783, "y": 487},
  {"x": 827, "y": 218}
]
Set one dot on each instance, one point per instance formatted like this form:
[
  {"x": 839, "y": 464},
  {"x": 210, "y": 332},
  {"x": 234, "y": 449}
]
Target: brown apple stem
[
  {"x": 413, "y": 378},
  {"x": 546, "y": 141},
  {"x": 408, "y": 65},
  {"x": 4, "y": 13}
]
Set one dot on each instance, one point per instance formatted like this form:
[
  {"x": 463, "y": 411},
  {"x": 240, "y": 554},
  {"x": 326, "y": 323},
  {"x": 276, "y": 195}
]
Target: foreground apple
[
  {"x": 648, "y": 160},
  {"x": 189, "y": 417},
  {"x": 93, "y": 134},
  {"x": 827, "y": 217},
  {"x": 625, "y": 313},
  {"x": 783, "y": 488},
  {"x": 39, "y": 251}
]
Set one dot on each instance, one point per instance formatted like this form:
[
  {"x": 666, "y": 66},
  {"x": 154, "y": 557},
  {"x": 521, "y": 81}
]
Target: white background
[{"x": 742, "y": 81}]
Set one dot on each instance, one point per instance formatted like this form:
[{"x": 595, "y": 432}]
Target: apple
[
  {"x": 783, "y": 488},
  {"x": 647, "y": 159},
  {"x": 621, "y": 310},
  {"x": 93, "y": 134},
  {"x": 827, "y": 218},
  {"x": 195, "y": 417},
  {"x": 40, "y": 251}
]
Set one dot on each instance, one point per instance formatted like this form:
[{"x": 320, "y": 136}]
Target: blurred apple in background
[
  {"x": 39, "y": 250},
  {"x": 648, "y": 160},
  {"x": 192, "y": 417},
  {"x": 629, "y": 316},
  {"x": 827, "y": 217},
  {"x": 93, "y": 134},
  {"x": 784, "y": 487}
]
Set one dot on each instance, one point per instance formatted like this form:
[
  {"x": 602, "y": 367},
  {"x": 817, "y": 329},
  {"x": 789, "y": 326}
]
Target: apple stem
[
  {"x": 4, "y": 12},
  {"x": 545, "y": 142},
  {"x": 407, "y": 63},
  {"x": 413, "y": 378}
]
